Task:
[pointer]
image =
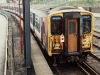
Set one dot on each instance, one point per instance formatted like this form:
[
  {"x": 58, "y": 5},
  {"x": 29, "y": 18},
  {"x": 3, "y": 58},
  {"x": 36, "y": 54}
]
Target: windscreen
[
  {"x": 56, "y": 25},
  {"x": 86, "y": 24}
]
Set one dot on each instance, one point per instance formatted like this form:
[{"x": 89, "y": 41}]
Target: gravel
[
  {"x": 19, "y": 69},
  {"x": 96, "y": 23}
]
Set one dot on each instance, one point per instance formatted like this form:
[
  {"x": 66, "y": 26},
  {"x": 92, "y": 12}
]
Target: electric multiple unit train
[{"x": 64, "y": 31}]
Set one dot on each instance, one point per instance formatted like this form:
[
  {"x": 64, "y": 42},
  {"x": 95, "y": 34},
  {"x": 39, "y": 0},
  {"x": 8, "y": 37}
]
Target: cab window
[
  {"x": 56, "y": 25},
  {"x": 86, "y": 24}
]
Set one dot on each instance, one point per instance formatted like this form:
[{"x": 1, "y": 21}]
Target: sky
[{"x": 3, "y": 1}]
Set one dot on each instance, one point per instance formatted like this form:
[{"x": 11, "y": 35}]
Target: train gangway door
[{"x": 72, "y": 34}]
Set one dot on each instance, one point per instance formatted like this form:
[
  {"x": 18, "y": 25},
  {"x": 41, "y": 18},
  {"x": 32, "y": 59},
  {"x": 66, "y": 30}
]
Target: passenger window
[{"x": 37, "y": 24}]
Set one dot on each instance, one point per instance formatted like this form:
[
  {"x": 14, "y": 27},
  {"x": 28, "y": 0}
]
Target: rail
[
  {"x": 97, "y": 35},
  {"x": 95, "y": 57},
  {"x": 87, "y": 69}
]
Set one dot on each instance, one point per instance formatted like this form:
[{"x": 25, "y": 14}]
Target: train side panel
[
  {"x": 45, "y": 33},
  {"x": 39, "y": 27}
]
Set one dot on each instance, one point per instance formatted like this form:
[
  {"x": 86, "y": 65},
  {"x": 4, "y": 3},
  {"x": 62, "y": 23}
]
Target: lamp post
[{"x": 27, "y": 44}]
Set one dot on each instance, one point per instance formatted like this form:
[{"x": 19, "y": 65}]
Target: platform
[
  {"x": 40, "y": 65},
  {"x": 3, "y": 43}
]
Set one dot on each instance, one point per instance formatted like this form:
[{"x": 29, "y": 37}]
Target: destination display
[
  {"x": 86, "y": 17},
  {"x": 56, "y": 18}
]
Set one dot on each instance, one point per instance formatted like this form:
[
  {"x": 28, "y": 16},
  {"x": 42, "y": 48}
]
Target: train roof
[
  {"x": 48, "y": 9},
  {"x": 43, "y": 9},
  {"x": 59, "y": 8}
]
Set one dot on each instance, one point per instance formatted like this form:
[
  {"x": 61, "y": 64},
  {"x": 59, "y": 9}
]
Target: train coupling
[{"x": 73, "y": 58}]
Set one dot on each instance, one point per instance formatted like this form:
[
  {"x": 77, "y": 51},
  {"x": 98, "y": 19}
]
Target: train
[{"x": 63, "y": 31}]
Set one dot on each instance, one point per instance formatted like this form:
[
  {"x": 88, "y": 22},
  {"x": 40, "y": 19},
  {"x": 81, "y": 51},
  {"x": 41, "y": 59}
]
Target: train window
[
  {"x": 33, "y": 19},
  {"x": 56, "y": 25},
  {"x": 72, "y": 27},
  {"x": 17, "y": 9},
  {"x": 37, "y": 24},
  {"x": 86, "y": 24}
]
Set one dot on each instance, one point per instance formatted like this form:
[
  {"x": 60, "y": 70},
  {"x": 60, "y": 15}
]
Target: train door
[{"x": 72, "y": 35}]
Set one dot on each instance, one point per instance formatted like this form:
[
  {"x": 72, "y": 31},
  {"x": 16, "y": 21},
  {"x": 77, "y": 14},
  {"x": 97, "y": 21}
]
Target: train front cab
[{"x": 76, "y": 33}]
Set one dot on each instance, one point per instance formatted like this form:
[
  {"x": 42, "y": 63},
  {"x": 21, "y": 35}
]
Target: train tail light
[
  {"x": 59, "y": 46},
  {"x": 84, "y": 36},
  {"x": 54, "y": 38},
  {"x": 62, "y": 38}
]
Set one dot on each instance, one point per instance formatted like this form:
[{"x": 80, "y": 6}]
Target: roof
[
  {"x": 43, "y": 8},
  {"x": 48, "y": 9}
]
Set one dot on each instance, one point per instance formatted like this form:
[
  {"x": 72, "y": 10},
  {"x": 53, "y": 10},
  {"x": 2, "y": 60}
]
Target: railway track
[
  {"x": 81, "y": 69},
  {"x": 93, "y": 61},
  {"x": 96, "y": 44},
  {"x": 68, "y": 69},
  {"x": 88, "y": 66},
  {"x": 88, "y": 70},
  {"x": 96, "y": 38},
  {"x": 96, "y": 54},
  {"x": 96, "y": 33}
]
